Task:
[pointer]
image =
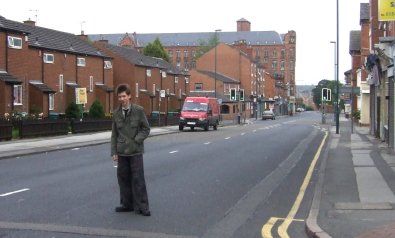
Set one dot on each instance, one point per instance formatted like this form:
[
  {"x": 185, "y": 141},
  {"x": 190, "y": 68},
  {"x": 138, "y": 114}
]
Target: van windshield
[{"x": 194, "y": 107}]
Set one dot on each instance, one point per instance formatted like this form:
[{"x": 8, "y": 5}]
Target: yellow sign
[
  {"x": 386, "y": 10},
  {"x": 80, "y": 96}
]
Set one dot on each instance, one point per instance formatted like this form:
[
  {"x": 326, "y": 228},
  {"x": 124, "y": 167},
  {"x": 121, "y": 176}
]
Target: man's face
[{"x": 124, "y": 99}]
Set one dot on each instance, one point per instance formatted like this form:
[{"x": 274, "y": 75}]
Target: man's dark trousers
[{"x": 130, "y": 173}]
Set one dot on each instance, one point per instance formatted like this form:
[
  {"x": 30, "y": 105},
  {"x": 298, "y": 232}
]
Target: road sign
[{"x": 349, "y": 89}]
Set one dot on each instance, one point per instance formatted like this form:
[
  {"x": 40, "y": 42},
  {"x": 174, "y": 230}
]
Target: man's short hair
[{"x": 123, "y": 88}]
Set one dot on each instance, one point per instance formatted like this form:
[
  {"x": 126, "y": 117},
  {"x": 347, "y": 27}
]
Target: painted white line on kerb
[
  {"x": 75, "y": 149},
  {"x": 227, "y": 138},
  {"x": 18, "y": 191},
  {"x": 207, "y": 143},
  {"x": 174, "y": 151}
]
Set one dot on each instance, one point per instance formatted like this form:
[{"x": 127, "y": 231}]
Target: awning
[
  {"x": 72, "y": 84},
  {"x": 41, "y": 86},
  {"x": 149, "y": 93},
  {"x": 8, "y": 78},
  {"x": 105, "y": 88}
]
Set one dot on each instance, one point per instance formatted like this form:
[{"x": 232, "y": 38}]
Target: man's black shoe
[
  {"x": 123, "y": 209},
  {"x": 146, "y": 213}
]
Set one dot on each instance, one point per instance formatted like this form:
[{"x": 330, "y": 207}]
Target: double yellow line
[{"x": 266, "y": 231}]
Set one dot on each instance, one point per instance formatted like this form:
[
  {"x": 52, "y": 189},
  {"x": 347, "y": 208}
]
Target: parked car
[{"x": 268, "y": 114}]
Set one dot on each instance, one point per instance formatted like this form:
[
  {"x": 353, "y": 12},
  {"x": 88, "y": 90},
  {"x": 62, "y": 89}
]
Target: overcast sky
[{"x": 313, "y": 20}]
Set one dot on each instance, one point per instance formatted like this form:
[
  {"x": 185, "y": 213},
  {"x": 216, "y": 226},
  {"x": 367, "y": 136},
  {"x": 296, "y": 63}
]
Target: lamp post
[
  {"x": 215, "y": 62},
  {"x": 337, "y": 66}
]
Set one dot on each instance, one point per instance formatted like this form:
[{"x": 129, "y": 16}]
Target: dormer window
[
  {"x": 49, "y": 58},
  {"x": 81, "y": 62},
  {"x": 107, "y": 64},
  {"x": 14, "y": 42}
]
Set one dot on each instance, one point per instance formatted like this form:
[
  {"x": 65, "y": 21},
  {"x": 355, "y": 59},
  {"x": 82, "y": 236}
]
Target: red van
[{"x": 199, "y": 112}]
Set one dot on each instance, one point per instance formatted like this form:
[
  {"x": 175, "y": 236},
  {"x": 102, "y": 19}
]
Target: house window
[
  {"x": 274, "y": 64},
  {"x": 51, "y": 98},
  {"x": 81, "y": 62},
  {"x": 90, "y": 83},
  {"x": 17, "y": 94},
  {"x": 107, "y": 64},
  {"x": 198, "y": 87},
  {"x": 282, "y": 53},
  {"x": 175, "y": 79},
  {"x": 274, "y": 54},
  {"x": 186, "y": 80},
  {"x": 148, "y": 73},
  {"x": 282, "y": 65},
  {"x": 14, "y": 42},
  {"x": 49, "y": 58},
  {"x": 137, "y": 90},
  {"x": 61, "y": 83}
]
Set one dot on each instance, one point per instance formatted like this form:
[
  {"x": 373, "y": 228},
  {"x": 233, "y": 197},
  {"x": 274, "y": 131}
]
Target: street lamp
[
  {"x": 337, "y": 66},
  {"x": 335, "y": 102},
  {"x": 215, "y": 62}
]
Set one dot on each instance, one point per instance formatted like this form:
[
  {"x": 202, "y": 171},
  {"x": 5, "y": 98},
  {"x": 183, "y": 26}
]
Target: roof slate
[
  {"x": 219, "y": 77},
  {"x": 8, "y": 78},
  {"x": 42, "y": 87},
  {"x": 364, "y": 12},
  {"x": 44, "y": 38},
  {"x": 194, "y": 39},
  {"x": 355, "y": 41},
  {"x": 135, "y": 57}
]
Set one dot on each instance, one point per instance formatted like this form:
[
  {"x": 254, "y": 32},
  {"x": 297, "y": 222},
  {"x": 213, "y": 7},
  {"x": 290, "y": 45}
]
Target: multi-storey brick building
[
  {"x": 275, "y": 53},
  {"x": 40, "y": 69}
]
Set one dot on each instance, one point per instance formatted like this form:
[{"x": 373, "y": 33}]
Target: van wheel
[
  {"x": 180, "y": 127},
  {"x": 192, "y": 128},
  {"x": 215, "y": 126},
  {"x": 206, "y": 127}
]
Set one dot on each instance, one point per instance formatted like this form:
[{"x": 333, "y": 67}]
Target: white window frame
[
  {"x": 12, "y": 40},
  {"x": 81, "y": 62},
  {"x": 51, "y": 101},
  {"x": 149, "y": 73},
  {"x": 90, "y": 83},
  {"x": 137, "y": 90},
  {"x": 18, "y": 94},
  {"x": 175, "y": 79},
  {"x": 61, "y": 83},
  {"x": 107, "y": 64},
  {"x": 47, "y": 58}
]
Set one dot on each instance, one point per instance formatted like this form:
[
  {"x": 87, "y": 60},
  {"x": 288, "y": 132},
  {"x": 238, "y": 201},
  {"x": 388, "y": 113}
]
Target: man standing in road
[{"x": 129, "y": 130}]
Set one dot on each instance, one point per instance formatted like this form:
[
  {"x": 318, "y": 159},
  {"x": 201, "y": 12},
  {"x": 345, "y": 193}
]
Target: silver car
[{"x": 268, "y": 114}]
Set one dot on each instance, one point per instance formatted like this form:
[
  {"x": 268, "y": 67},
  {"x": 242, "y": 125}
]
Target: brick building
[
  {"x": 275, "y": 53},
  {"x": 40, "y": 69},
  {"x": 147, "y": 76}
]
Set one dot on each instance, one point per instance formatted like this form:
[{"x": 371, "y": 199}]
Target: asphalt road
[{"x": 239, "y": 181}]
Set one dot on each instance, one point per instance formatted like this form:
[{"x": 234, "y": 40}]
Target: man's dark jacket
[{"x": 128, "y": 133}]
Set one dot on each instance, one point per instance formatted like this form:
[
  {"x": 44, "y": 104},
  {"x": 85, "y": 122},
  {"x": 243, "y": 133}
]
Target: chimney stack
[{"x": 30, "y": 22}]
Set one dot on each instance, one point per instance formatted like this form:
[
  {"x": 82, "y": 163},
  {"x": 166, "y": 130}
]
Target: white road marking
[
  {"x": 207, "y": 143},
  {"x": 243, "y": 134},
  {"x": 227, "y": 138},
  {"x": 174, "y": 151},
  {"x": 18, "y": 191},
  {"x": 75, "y": 149},
  {"x": 254, "y": 131}
]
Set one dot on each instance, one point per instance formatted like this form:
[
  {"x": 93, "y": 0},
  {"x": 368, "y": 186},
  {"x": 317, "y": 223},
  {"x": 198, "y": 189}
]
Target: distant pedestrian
[{"x": 129, "y": 130}]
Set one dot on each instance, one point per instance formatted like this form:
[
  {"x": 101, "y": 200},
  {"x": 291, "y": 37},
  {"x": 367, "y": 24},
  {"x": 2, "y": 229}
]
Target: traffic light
[
  {"x": 233, "y": 94},
  {"x": 241, "y": 94},
  {"x": 326, "y": 94}
]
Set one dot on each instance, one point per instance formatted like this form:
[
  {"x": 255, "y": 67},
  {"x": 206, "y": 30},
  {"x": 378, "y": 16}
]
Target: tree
[
  {"x": 155, "y": 49},
  {"x": 318, "y": 89},
  {"x": 205, "y": 46},
  {"x": 73, "y": 111},
  {"x": 96, "y": 110}
]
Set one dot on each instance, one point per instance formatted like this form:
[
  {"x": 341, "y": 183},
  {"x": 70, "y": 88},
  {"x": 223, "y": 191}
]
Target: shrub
[
  {"x": 73, "y": 111},
  {"x": 96, "y": 110}
]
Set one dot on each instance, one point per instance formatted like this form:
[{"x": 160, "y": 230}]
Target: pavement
[{"x": 354, "y": 194}]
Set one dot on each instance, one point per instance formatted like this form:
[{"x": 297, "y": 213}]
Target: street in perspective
[{"x": 237, "y": 181}]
